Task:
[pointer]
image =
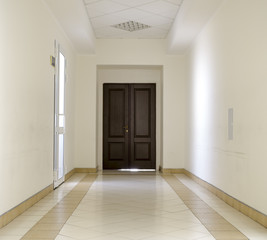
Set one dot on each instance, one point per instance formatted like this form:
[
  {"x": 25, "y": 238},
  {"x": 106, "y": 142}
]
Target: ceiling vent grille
[{"x": 131, "y": 26}]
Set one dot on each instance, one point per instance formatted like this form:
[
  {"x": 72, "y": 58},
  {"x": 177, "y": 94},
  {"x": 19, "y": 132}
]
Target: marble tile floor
[{"x": 125, "y": 207}]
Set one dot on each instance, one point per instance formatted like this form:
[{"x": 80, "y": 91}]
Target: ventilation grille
[{"x": 131, "y": 26}]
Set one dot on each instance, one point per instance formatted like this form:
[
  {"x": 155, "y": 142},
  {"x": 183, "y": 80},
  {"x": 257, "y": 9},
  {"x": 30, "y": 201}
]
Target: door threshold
[{"x": 130, "y": 172}]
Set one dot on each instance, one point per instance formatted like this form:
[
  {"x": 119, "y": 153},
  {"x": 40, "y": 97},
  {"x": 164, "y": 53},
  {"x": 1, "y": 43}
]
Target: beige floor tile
[
  {"x": 53, "y": 227},
  {"x": 52, "y": 220},
  {"x": 220, "y": 227},
  {"x": 231, "y": 235},
  {"x": 10, "y": 237},
  {"x": 41, "y": 234}
]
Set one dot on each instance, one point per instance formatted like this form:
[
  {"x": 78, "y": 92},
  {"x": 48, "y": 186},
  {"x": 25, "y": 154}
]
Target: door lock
[{"x": 126, "y": 128}]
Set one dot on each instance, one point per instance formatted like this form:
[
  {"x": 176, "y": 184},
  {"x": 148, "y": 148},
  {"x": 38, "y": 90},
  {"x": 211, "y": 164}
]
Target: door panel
[
  {"x": 142, "y": 102},
  {"x": 143, "y": 126},
  {"x": 116, "y": 112},
  {"x": 142, "y": 151},
  {"x": 115, "y": 154},
  {"x": 116, "y": 151},
  {"x": 129, "y": 126}
]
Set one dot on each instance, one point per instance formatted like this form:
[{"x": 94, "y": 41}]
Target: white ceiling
[
  {"x": 190, "y": 20},
  {"x": 158, "y": 14},
  {"x": 179, "y": 21},
  {"x": 72, "y": 17}
]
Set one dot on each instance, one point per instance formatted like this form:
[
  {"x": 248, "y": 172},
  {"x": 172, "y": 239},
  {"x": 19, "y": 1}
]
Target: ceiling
[
  {"x": 139, "y": 18},
  {"x": 176, "y": 21}
]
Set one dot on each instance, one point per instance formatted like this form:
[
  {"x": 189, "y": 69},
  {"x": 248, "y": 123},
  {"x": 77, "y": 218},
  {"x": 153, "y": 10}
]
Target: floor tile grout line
[
  {"x": 89, "y": 180},
  {"x": 177, "y": 186}
]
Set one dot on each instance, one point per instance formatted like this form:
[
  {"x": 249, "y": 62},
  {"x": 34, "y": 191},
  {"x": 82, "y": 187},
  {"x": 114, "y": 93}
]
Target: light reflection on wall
[{"x": 201, "y": 110}]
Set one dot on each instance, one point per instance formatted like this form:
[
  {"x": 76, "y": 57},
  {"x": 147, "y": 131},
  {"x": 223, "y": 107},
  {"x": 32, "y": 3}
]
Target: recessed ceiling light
[{"x": 131, "y": 26}]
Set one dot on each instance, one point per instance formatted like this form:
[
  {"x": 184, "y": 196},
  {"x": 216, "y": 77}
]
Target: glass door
[{"x": 60, "y": 76}]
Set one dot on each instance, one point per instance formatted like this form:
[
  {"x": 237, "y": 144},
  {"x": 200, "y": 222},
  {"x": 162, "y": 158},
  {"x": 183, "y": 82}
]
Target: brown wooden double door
[{"x": 129, "y": 126}]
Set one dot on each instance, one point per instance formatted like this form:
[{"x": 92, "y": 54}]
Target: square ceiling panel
[
  {"x": 133, "y": 3},
  {"x": 157, "y": 15},
  {"x": 177, "y": 2},
  {"x": 105, "y": 7},
  {"x": 162, "y": 8},
  {"x": 133, "y": 14}
]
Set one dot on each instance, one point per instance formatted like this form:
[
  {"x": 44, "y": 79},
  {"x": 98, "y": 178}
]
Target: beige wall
[
  {"x": 136, "y": 53},
  {"x": 227, "y": 69},
  {"x": 27, "y": 38}
]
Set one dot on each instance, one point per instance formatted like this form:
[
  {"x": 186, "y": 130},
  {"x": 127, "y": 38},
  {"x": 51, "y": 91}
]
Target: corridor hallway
[{"x": 135, "y": 206}]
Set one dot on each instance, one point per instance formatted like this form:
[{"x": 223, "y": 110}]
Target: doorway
[
  {"x": 59, "y": 108},
  {"x": 129, "y": 126}
]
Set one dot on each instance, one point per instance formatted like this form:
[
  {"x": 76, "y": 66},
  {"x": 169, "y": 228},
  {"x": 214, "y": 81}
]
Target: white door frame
[{"x": 59, "y": 115}]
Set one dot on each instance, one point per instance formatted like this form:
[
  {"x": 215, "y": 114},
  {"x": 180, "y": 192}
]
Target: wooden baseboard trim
[
  {"x": 86, "y": 170},
  {"x": 238, "y": 205},
  {"x": 22, "y": 207},
  {"x": 171, "y": 170},
  {"x": 69, "y": 174},
  {"x": 80, "y": 170}
]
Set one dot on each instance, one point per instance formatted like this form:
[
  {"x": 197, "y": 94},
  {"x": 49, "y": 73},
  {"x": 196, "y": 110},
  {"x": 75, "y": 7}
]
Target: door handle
[{"x": 126, "y": 128}]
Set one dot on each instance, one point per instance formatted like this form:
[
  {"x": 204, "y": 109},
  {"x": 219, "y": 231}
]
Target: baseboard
[
  {"x": 22, "y": 207},
  {"x": 80, "y": 170},
  {"x": 171, "y": 170},
  {"x": 86, "y": 170},
  {"x": 250, "y": 212},
  {"x": 69, "y": 174}
]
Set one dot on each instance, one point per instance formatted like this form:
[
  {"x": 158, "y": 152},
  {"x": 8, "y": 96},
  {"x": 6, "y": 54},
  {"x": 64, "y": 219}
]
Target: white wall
[
  {"x": 227, "y": 69},
  {"x": 130, "y": 52},
  {"x": 27, "y": 39}
]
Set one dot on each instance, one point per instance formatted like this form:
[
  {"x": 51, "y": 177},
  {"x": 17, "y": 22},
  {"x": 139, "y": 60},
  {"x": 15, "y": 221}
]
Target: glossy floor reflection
[
  {"x": 123, "y": 207},
  {"x": 132, "y": 207}
]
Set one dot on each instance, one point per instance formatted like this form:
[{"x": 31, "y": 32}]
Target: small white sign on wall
[{"x": 230, "y": 124}]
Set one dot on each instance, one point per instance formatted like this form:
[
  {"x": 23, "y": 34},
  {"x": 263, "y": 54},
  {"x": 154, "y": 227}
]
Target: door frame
[
  {"x": 141, "y": 76},
  {"x": 57, "y": 129}
]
